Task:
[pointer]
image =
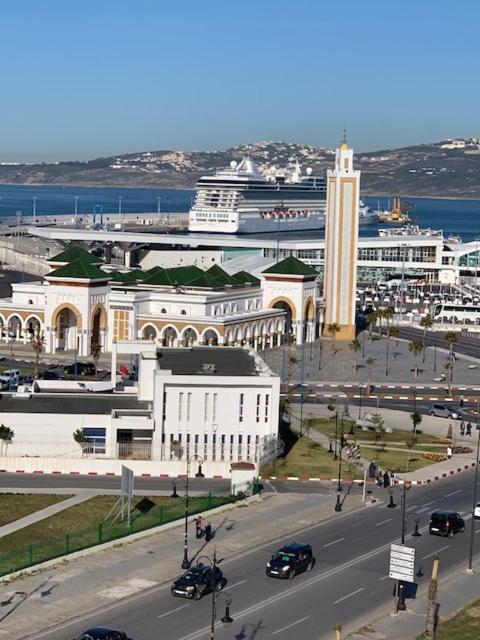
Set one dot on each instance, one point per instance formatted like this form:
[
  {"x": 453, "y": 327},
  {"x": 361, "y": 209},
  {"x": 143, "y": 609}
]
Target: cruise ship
[{"x": 241, "y": 199}]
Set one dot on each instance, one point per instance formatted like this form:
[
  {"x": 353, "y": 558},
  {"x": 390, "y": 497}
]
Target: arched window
[
  {"x": 30, "y": 302},
  {"x": 183, "y": 312},
  {"x": 163, "y": 311}
]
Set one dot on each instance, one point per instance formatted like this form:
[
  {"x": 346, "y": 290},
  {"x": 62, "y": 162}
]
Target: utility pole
[{"x": 473, "y": 522}]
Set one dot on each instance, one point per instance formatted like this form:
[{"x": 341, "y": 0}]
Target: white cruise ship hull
[{"x": 261, "y": 225}]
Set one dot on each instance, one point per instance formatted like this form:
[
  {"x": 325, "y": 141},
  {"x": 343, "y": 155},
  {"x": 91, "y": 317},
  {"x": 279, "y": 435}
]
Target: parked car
[
  {"x": 445, "y": 411},
  {"x": 476, "y": 512},
  {"x": 289, "y": 560},
  {"x": 50, "y": 375},
  {"x": 13, "y": 374},
  {"x": 102, "y": 633},
  {"x": 82, "y": 369},
  {"x": 198, "y": 581},
  {"x": 446, "y": 523}
]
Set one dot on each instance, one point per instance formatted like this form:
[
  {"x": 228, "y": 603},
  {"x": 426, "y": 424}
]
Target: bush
[{"x": 436, "y": 457}]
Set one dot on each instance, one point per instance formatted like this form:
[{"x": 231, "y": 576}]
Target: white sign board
[
  {"x": 402, "y": 563},
  {"x": 127, "y": 482}
]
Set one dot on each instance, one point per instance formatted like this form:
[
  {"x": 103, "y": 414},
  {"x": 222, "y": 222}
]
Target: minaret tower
[{"x": 341, "y": 240}]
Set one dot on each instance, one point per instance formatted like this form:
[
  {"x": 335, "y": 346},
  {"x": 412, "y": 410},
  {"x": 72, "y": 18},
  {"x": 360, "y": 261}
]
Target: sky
[{"x": 95, "y": 78}]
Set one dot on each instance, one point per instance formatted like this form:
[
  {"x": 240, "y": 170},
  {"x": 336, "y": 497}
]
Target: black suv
[
  {"x": 289, "y": 560},
  {"x": 81, "y": 368},
  {"x": 446, "y": 523},
  {"x": 198, "y": 581},
  {"x": 101, "y": 633}
]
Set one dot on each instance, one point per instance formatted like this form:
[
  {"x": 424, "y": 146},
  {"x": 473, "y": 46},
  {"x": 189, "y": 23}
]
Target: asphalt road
[
  {"x": 465, "y": 346},
  {"x": 348, "y": 582}
]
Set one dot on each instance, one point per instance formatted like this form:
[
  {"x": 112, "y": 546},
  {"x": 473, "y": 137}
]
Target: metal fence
[{"x": 36, "y": 553}]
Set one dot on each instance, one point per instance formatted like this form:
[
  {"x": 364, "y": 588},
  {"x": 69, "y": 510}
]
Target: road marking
[
  {"x": 426, "y": 504},
  {"x": 271, "y": 486},
  {"x": 405, "y": 386},
  {"x": 412, "y": 508},
  {"x": 383, "y": 522},
  {"x": 418, "y": 387},
  {"x": 329, "y": 544},
  {"x": 423, "y": 510},
  {"x": 433, "y": 387},
  {"x": 452, "y": 493},
  {"x": 289, "y": 626},
  {"x": 390, "y": 386},
  {"x": 236, "y": 584},
  {"x": 349, "y": 595},
  {"x": 403, "y": 397},
  {"x": 388, "y": 397},
  {"x": 173, "y": 611},
  {"x": 384, "y": 577},
  {"x": 434, "y": 553},
  {"x": 477, "y": 531}
]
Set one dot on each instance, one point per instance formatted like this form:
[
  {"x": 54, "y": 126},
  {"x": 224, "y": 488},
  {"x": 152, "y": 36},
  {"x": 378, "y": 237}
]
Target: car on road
[
  {"x": 445, "y": 411},
  {"x": 49, "y": 374},
  {"x": 476, "y": 511},
  {"x": 198, "y": 581},
  {"x": 82, "y": 369},
  {"x": 102, "y": 633},
  {"x": 446, "y": 523},
  {"x": 291, "y": 559}
]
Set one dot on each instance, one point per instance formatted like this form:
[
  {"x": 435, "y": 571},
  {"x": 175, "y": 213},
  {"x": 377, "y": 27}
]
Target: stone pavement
[
  {"x": 401, "y": 420},
  {"x": 41, "y": 514},
  {"x": 58, "y": 593},
  {"x": 339, "y": 367}
]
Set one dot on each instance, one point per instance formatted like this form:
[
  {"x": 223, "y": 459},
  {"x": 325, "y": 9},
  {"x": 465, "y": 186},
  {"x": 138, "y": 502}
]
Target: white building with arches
[{"x": 80, "y": 303}]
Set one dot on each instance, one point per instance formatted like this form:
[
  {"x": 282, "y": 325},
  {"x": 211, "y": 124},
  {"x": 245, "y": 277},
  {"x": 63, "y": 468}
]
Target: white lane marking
[
  {"x": 422, "y": 510},
  {"x": 477, "y": 531},
  {"x": 384, "y": 577},
  {"x": 426, "y": 504},
  {"x": 405, "y": 386},
  {"x": 434, "y": 553},
  {"x": 388, "y": 397},
  {"x": 271, "y": 486},
  {"x": 236, "y": 584},
  {"x": 173, "y": 611},
  {"x": 289, "y": 626},
  {"x": 390, "y": 386},
  {"x": 418, "y": 387},
  {"x": 412, "y": 507},
  {"x": 452, "y": 493},
  {"x": 403, "y": 397},
  {"x": 349, "y": 595},
  {"x": 383, "y": 522},
  {"x": 329, "y": 544},
  {"x": 433, "y": 387}
]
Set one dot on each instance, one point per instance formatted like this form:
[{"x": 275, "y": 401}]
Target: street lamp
[
  {"x": 226, "y": 619},
  {"x": 199, "y": 474},
  {"x": 338, "y": 504}
]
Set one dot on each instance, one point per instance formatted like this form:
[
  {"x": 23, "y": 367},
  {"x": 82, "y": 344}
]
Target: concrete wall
[{"x": 204, "y": 258}]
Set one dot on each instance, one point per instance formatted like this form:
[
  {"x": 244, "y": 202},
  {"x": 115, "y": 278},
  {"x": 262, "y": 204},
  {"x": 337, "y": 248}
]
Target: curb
[{"x": 106, "y": 473}]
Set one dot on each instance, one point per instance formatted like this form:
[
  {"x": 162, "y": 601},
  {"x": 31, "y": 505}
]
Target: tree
[
  {"x": 80, "y": 438},
  {"x": 388, "y": 314},
  {"x": 416, "y": 419},
  {"x": 371, "y": 318},
  {"x": 333, "y": 329},
  {"x": 370, "y": 364},
  {"x": 427, "y": 323},
  {"x": 448, "y": 366},
  {"x": 95, "y": 352},
  {"x": 354, "y": 346},
  {"x": 411, "y": 442},
  {"x": 394, "y": 332},
  {"x": 6, "y": 437},
  {"x": 378, "y": 423},
  {"x": 416, "y": 347},
  {"x": 451, "y": 337},
  {"x": 38, "y": 343}
]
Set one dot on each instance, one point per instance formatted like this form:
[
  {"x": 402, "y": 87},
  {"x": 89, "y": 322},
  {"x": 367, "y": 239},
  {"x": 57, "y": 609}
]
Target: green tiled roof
[
  {"x": 243, "y": 277},
  {"x": 76, "y": 252},
  {"x": 175, "y": 276},
  {"x": 221, "y": 275},
  {"x": 293, "y": 267},
  {"x": 206, "y": 281},
  {"x": 80, "y": 269},
  {"x": 128, "y": 277}
]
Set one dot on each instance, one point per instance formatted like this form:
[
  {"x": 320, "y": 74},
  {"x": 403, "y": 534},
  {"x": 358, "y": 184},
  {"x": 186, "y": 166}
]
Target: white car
[{"x": 476, "y": 512}]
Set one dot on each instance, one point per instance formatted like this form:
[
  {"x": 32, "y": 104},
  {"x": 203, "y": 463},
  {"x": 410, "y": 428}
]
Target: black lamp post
[
  {"x": 391, "y": 504},
  {"x": 199, "y": 474},
  {"x": 335, "y": 456},
  {"x": 174, "y": 490},
  {"x": 226, "y": 619},
  {"x": 338, "y": 504}
]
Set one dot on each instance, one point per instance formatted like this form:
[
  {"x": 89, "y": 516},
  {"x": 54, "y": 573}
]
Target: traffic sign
[{"x": 402, "y": 563}]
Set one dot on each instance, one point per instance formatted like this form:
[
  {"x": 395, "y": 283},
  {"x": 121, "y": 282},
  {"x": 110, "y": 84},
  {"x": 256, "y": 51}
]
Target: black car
[
  {"x": 446, "y": 523},
  {"x": 50, "y": 375},
  {"x": 101, "y": 633},
  {"x": 81, "y": 368},
  {"x": 198, "y": 581},
  {"x": 289, "y": 560}
]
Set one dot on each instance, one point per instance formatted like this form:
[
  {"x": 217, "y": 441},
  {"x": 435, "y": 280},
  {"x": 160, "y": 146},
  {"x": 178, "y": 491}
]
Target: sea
[{"x": 455, "y": 217}]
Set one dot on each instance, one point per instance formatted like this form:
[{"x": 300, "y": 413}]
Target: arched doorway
[
  {"x": 14, "y": 329},
  {"x": 66, "y": 328},
  {"x": 210, "y": 337},
  {"x": 149, "y": 332},
  {"x": 170, "y": 337},
  {"x": 190, "y": 337},
  {"x": 99, "y": 322},
  {"x": 33, "y": 327},
  {"x": 283, "y": 304}
]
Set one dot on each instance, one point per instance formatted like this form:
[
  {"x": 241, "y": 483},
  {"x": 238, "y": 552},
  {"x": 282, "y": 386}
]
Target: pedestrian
[
  {"x": 208, "y": 532},
  {"x": 462, "y": 401},
  {"x": 199, "y": 526},
  {"x": 469, "y": 429},
  {"x": 392, "y": 478},
  {"x": 462, "y": 428},
  {"x": 449, "y": 452},
  {"x": 386, "y": 480},
  {"x": 372, "y": 470},
  {"x": 379, "y": 478}
]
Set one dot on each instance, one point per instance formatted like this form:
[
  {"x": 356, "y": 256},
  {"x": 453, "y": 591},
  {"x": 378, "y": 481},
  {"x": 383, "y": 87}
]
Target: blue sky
[{"x": 99, "y": 77}]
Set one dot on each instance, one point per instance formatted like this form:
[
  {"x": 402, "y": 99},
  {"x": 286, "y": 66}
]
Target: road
[
  {"x": 465, "y": 346},
  {"x": 347, "y": 584}
]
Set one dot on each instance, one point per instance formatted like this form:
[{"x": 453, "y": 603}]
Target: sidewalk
[
  {"x": 401, "y": 420},
  {"x": 99, "y": 577},
  {"x": 53, "y": 509}
]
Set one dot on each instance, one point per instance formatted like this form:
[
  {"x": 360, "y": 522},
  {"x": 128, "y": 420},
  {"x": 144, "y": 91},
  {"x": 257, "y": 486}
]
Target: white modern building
[{"x": 207, "y": 405}]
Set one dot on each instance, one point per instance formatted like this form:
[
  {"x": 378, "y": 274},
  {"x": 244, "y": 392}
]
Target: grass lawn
[
  {"x": 373, "y": 449},
  {"x": 14, "y": 506},
  {"x": 84, "y": 525},
  {"x": 464, "y": 625},
  {"x": 307, "y": 458}
]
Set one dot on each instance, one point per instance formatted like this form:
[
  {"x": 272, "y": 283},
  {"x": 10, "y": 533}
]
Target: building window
[
  {"x": 189, "y": 406},
  {"x": 258, "y": 408},
  {"x": 205, "y": 412},
  {"x": 215, "y": 398},
  {"x": 94, "y": 440},
  {"x": 180, "y": 407},
  {"x": 267, "y": 407},
  {"x": 240, "y": 409},
  {"x": 164, "y": 405},
  {"x": 120, "y": 325},
  {"x": 183, "y": 312},
  {"x": 163, "y": 311}
]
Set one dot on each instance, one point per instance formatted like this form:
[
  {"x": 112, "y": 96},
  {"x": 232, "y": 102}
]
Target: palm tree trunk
[{"x": 424, "y": 339}]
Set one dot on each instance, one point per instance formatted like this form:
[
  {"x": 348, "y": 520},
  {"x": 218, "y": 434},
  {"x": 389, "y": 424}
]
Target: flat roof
[
  {"x": 77, "y": 404},
  {"x": 207, "y": 361}
]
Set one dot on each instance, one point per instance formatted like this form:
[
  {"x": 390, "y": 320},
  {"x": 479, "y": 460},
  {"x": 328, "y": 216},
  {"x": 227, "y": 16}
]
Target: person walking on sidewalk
[
  {"x": 208, "y": 532},
  {"x": 449, "y": 452},
  {"x": 386, "y": 480},
  {"x": 199, "y": 526}
]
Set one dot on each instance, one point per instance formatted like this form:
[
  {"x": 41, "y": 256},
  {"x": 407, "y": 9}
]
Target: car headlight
[
  {"x": 286, "y": 567},
  {"x": 190, "y": 588},
  {"x": 268, "y": 565}
]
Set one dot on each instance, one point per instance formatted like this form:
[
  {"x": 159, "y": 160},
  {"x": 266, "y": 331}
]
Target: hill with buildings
[{"x": 450, "y": 168}]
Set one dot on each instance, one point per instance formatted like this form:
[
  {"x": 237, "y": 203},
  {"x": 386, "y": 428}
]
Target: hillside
[{"x": 443, "y": 169}]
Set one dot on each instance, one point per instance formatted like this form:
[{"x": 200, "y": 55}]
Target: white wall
[{"x": 201, "y": 258}]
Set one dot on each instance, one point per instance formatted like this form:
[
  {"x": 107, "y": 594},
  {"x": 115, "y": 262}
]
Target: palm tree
[
  {"x": 426, "y": 322},
  {"x": 38, "y": 343},
  {"x": 354, "y": 346},
  {"x": 449, "y": 369},
  {"x": 394, "y": 332},
  {"x": 416, "y": 347},
  {"x": 388, "y": 314},
  {"x": 95, "y": 352},
  {"x": 451, "y": 337},
  {"x": 6, "y": 437},
  {"x": 371, "y": 318},
  {"x": 333, "y": 329},
  {"x": 370, "y": 363}
]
